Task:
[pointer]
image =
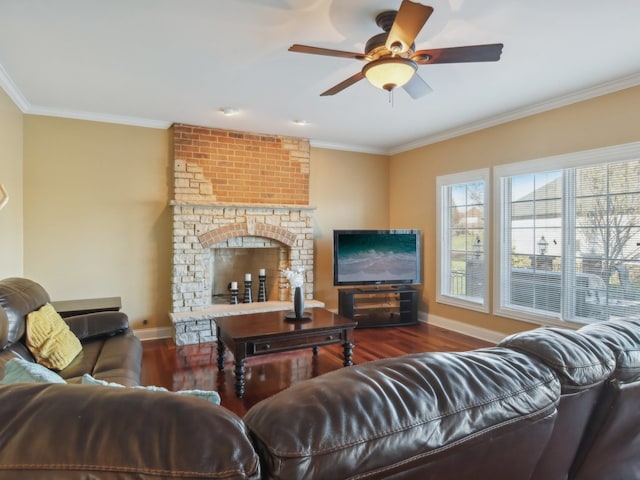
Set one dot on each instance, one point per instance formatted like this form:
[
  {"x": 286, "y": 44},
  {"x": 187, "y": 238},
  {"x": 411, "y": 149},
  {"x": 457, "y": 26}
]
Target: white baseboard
[
  {"x": 154, "y": 333},
  {"x": 461, "y": 327}
]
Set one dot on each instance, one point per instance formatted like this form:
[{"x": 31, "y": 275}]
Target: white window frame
[
  {"x": 443, "y": 242},
  {"x": 619, "y": 153}
]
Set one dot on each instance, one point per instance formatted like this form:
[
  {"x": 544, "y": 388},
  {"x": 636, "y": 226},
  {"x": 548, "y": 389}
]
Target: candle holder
[
  {"x": 233, "y": 290},
  {"x": 262, "y": 288},
  {"x": 247, "y": 292},
  {"x": 234, "y": 296}
]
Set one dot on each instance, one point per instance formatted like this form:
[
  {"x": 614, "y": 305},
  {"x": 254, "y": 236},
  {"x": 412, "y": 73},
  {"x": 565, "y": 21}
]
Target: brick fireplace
[{"x": 236, "y": 190}]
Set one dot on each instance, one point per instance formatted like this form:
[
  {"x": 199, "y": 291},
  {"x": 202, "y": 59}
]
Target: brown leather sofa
[
  {"x": 544, "y": 404},
  {"x": 110, "y": 350}
]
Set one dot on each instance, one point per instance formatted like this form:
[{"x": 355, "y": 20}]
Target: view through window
[
  {"x": 570, "y": 242},
  {"x": 462, "y": 268}
]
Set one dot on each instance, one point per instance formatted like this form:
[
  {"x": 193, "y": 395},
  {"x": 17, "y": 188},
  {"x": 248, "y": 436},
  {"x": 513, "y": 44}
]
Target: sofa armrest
[{"x": 98, "y": 324}]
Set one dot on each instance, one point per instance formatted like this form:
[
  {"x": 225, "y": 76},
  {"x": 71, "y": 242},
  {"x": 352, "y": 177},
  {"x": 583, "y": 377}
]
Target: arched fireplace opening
[{"x": 201, "y": 230}]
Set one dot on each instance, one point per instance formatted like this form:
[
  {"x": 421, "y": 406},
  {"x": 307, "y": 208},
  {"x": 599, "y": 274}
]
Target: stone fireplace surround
[{"x": 198, "y": 228}]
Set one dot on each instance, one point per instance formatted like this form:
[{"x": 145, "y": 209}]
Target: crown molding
[
  {"x": 16, "y": 95},
  {"x": 533, "y": 109},
  {"x": 13, "y": 91},
  {"x": 348, "y": 148},
  {"x": 99, "y": 117}
]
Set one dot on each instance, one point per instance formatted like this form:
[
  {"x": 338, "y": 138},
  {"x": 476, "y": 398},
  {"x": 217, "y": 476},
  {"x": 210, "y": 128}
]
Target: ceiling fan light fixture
[{"x": 390, "y": 72}]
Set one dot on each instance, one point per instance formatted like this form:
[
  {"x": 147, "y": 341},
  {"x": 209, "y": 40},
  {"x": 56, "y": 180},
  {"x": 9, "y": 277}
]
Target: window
[
  {"x": 462, "y": 269},
  {"x": 569, "y": 237}
]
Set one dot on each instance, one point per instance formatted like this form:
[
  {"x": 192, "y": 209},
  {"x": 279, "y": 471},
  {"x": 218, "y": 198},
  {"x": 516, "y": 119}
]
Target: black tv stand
[
  {"x": 379, "y": 306},
  {"x": 383, "y": 288}
]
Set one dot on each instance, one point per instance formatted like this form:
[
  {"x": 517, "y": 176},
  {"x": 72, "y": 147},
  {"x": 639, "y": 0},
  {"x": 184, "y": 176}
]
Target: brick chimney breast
[{"x": 239, "y": 167}]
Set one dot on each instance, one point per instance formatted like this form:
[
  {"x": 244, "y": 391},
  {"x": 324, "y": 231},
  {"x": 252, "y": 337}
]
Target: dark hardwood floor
[{"x": 194, "y": 366}]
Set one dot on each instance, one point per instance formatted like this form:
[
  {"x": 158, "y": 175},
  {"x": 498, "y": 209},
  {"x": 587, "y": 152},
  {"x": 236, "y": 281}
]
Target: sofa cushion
[
  {"x": 580, "y": 362},
  {"x": 18, "y": 370},
  {"x": 49, "y": 338},
  {"x": 114, "y": 359}
]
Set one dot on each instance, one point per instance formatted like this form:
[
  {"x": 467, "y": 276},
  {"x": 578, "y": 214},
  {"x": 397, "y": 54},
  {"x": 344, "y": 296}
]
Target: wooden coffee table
[{"x": 265, "y": 333}]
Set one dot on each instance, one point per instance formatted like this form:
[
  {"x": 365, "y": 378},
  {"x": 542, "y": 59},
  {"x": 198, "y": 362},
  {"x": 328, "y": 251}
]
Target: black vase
[{"x": 298, "y": 302}]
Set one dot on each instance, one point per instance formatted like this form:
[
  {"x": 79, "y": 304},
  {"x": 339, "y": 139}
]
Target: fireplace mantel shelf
[
  {"x": 225, "y": 310},
  {"x": 187, "y": 203}
]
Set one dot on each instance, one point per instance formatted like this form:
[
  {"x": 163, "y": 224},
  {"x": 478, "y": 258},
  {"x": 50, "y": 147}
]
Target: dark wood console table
[
  {"x": 264, "y": 333},
  {"x": 68, "y": 308}
]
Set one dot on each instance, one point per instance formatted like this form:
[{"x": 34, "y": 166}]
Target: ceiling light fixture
[
  {"x": 301, "y": 122},
  {"x": 389, "y": 73},
  {"x": 229, "y": 111}
]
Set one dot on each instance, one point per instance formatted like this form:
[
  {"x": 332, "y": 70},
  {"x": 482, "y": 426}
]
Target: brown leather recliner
[
  {"x": 110, "y": 350},
  {"x": 583, "y": 366},
  {"x": 611, "y": 448}
]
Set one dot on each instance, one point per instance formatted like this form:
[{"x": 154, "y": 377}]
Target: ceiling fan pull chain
[{"x": 391, "y": 97}]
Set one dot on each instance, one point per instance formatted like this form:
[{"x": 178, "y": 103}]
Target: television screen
[{"x": 376, "y": 257}]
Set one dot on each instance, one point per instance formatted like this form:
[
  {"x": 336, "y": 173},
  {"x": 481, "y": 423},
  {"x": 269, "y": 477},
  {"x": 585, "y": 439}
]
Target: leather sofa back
[
  {"x": 583, "y": 365},
  {"x": 429, "y": 415},
  {"x": 57, "y": 431},
  {"x": 18, "y": 297}
]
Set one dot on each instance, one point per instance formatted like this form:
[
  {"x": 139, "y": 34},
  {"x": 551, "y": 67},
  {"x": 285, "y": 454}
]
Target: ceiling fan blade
[
  {"x": 471, "y": 53},
  {"x": 409, "y": 21},
  {"x": 417, "y": 87},
  {"x": 344, "y": 84},
  {"x": 326, "y": 51}
]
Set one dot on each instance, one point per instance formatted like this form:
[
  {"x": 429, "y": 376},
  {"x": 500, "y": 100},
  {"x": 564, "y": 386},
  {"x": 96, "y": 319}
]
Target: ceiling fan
[{"x": 392, "y": 60}]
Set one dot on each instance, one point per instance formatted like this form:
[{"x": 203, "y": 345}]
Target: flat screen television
[{"x": 376, "y": 257}]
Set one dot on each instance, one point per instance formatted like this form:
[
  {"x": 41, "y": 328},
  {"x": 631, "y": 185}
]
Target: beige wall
[
  {"x": 96, "y": 221},
  {"x": 349, "y": 190},
  {"x": 11, "y": 217},
  {"x": 604, "y": 121},
  {"x": 96, "y": 216}
]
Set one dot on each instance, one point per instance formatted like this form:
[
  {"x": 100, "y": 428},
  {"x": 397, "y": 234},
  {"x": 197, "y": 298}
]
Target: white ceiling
[{"x": 155, "y": 62}]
